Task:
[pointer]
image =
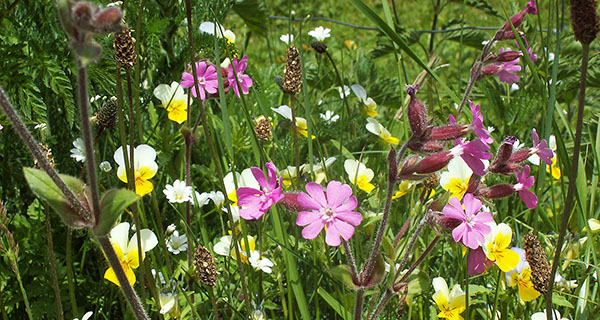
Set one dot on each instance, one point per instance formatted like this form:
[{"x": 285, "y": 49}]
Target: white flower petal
[
  {"x": 120, "y": 235},
  {"x": 285, "y": 111},
  {"x": 149, "y": 240},
  {"x": 359, "y": 91}
]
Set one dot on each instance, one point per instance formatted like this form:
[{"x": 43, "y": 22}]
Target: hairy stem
[
  {"x": 61, "y": 314},
  {"x": 381, "y": 304},
  {"x": 130, "y": 295},
  {"x": 70, "y": 274},
  {"x": 411, "y": 244},
  {"x": 585, "y": 48}
]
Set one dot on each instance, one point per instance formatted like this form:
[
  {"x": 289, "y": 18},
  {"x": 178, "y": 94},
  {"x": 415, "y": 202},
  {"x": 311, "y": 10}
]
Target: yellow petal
[
  {"x": 506, "y": 259},
  {"x": 143, "y": 187},
  {"x": 366, "y": 186},
  {"x": 146, "y": 173},
  {"x": 528, "y": 293},
  {"x": 457, "y": 187},
  {"x": 371, "y": 113},
  {"x": 441, "y": 300},
  {"x": 111, "y": 276},
  {"x": 133, "y": 259},
  {"x": 178, "y": 111},
  {"x": 391, "y": 140}
]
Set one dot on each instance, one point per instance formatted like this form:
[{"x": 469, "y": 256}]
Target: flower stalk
[{"x": 61, "y": 314}]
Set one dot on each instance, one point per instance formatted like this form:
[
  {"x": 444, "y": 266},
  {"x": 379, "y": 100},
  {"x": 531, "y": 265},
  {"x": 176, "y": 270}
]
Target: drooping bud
[
  {"x": 205, "y": 266},
  {"x": 517, "y": 19},
  {"x": 538, "y": 262},
  {"x": 497, "y": 192},
  {"x": 292, "y": 80},
  {"x": 520, "y": 155},
  {"x": 449, "y": 132},
  {"x": 431, "y": 147},
  {"x": 417, "y": 114},
  {"x": 490, "y": 69},
  {"x": 443, "y": 224},
  {"x": 507, "y": 56},
  {"x": 584, "y": 19},
  {"x": 505, "y": 150},
  {"x": 319, "y": 46},
  {"x": 290, "y": 202},
  {"x": 434, "y": 162}
]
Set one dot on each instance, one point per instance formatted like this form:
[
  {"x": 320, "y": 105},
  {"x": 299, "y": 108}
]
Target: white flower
[
  {"x": 167, "y": 301},
  {"x": 329, "y": 116},
  {"x": 210, "y": 27},
  {"x": 113, "y": 4},
  {"x": 201, "y": 198},
  {"x": 346, "y": 92},
  {"x": 320, "y": 33},
  {"x": 514, "y": 87},
  {"x": 177, "y": 243},
  {"x": 223, "y": 246},
  {"x": 171, "y": 228},
  {"x": 456, "y": 179},
  {"x": 144, "y": 167},
  {"x": 217, "y": 197},
  {"x": 235, "y": 212},
  {"x": 96, "y": 98},
  {"x": 377, "y": 129},
  {"x": 542, "y": 315},
  {"x": 42, "y": 126},
  {"x": 301, "y": 124},
  {"x": 86, "y": 316},
  {"x": 78, "y": 153},
  {"x": 259, "y": 263},
  {"x": 229, "y": 35},
  {"x": 225, "y": 64},
  {"x": 105, "y": 166},
  {"x": 178, "y": 192},
  {"x": 518, "y": 145},
  {"x": 287, "y": 38},
  {"x": 359, "y": 175}
]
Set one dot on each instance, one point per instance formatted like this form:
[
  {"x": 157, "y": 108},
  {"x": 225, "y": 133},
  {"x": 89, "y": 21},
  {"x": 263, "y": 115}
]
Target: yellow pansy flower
[
  {"x": 359, "y": 175},
  {"x": 403, "y": 189},
  {"x": 377, "y": 129},
  {"x": 174, "y": 100},
  {"x": 451, "y": 304},
  {"x": 497, "y": 249},
  {"x": 127, "y": 250},
  {"x": 301, "y": 125},
  {"x": 456, "y": 179},
  {"x": 520, "y": 276},
  {"x": 144, "y": 167},
  {"x": 245, "y": 179}
]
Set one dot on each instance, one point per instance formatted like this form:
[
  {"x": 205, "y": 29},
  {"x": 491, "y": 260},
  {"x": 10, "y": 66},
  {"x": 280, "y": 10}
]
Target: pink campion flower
[
  {"x": 532, "y": 55},
  {"x": 478, "y": 262},
  {"x": 507, "y": 70},
  {"x": 207, "y": 79},
  {"x": 473, "y": 227},
  {"x": 244, "y": 79},
  {"x": 472, "y": 152},
  {"x": 477, "y": 124},
  {"x": 524, "y": 182},
  {"x": 332, "y": 209},
  {"x": 517, "y": 19},
  {"x": 254, "y": 203}
]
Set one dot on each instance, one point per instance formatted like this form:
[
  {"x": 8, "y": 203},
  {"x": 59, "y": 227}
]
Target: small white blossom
[
  {"x": 42, "y": 126},
  {"x": 287, "y": 38},
  {"x": 171, "y": 228},
  {"x": 78, "y": 153},
  {"x": 514, "y": 87},
  {"x": 346, "y": 91},
  {"x": 259, "y": 263},
  {"x": 329, "y": 116},
  {"x": 217, "y": 197},
  {"x": 105, "y": 166},
  {"x": 320, "y": 33},
  {"x": 86, "y": 316},
  {"x": 178, "y": 192},
  {"x": 201, "y": 198},
  {"x": 177, "y": 243},
  {"x": 543, "y": 315}
]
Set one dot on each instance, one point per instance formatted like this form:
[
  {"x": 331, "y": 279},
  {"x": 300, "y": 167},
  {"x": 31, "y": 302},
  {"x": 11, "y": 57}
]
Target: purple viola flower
[
  {"x": 478, "y": 262},
  {"x": 507, "y": 70},
  {"x": 244, "y": 79},
  {"x": 472, "y": 152},
  {"x": 473, "y": 227},
  {"x": 477, "y": 124},
  {"x": 524, "y": 182},
  {"x": 254, "y": 203},
  {"x": 332, "y": 209},
  {"x": 207, "y": 79},
  {"x": 541, "y": 148}
]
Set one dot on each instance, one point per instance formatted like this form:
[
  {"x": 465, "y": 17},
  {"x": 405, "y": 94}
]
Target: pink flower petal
[
  {"x": 332, "y": 235},
  {"x": 337, "y": 193},
  {"x": 308, "y": 202},
  {"x": 472, "y": 204},
  {"x": 306, "y": 217},
  {"x": 316, "y": 191},
  {"x": 354, "y": 218},
  {"x": 343, "y": 229},
  {"x": 348, "y": 206},
  {"x": 459, "y": 232},
  {"x": 259, "y": 175},
  {"x": 312, "y": 230}
]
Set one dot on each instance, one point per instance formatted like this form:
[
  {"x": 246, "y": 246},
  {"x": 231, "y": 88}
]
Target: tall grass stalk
[{"x": 61, "y": 314}]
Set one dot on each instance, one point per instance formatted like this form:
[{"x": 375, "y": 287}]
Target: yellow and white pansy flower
[
  {"x": 456, "y": 179},
  {"x": 174, "y": 99},
  {"x": 403, "y": 188},
  {"x": 301, "y": 125},
  {"x": 359, "y": 175},
  {"x": 290, "y": 173},
  {"x": 377, "y": 129},
  {"x": 554, "y": 169},
  {"x": 369, "y": 106},
  {"x": 497, "y": 247},
  {"x": 520, "y": 277},
  {"x": 127, "y": 250},
  {"x": 245, "y": 179},
  {"x": 144, "y": 167},
  {"x": 451, "y": 303}
]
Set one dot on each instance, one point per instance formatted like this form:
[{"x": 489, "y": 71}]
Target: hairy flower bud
[
  {"x": 417, "y": 114},
  {"x": 449, "y": 132},
  {"x": 434, "y": 162},
  {"x": 497, "y": 192},
  {"x": 290, "y": 202},
  {"x": 410, "y": 165},
  {"x": 431, "y": 147},
  {"x": 520, "y": 155},
  {"x": 507, "y": 56},
  {"x": 490, "y": 69}
]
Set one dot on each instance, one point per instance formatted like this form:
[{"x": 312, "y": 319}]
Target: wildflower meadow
[{"x": 254, "y": 159}]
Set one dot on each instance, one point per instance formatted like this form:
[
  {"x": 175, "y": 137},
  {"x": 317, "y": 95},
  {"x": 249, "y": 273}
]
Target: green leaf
[
  {"x": 378, "y": 272},
  {"x": 253, "y": 15},
  {"x": 371, "y": 15},
  {"x": 335, "y": 304},
  {"x": 42, "y": 186},
  {"x": 344, "y": 274},
  {"x": 113, "y": 202},
  {"x": 559, "y": 300},
  {"x": 417, "y": 283}
]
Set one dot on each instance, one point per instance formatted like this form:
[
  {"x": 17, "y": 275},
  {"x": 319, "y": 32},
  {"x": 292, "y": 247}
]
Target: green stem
[
  {"x": 70, "y": 280},
  {"x": 467, "y": 309},
  {"x": 585, "y": 50},
  {"x": 295, "y": 134},
  {"x": 61, "y": 314},
  {"x": 27, "y": 307},
  {"x": 134, "y": 301},
  {"x": 341, "y": 83},
  {"x": 496, "y": 294}
]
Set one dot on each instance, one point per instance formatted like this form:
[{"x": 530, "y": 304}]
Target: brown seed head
[
  {"x": 262, "y": 128},
  {"x": 538, "y": 262},
  {"x": 205, "y": 266},
  {"x": 584, "y": 18},
  {"x": 292, "y": 80},
  {"x": 124, "y": 45}
]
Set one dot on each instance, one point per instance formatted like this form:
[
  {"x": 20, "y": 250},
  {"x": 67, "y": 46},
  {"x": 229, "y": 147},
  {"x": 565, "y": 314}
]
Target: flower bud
[
  {"x": 497, "y": 192},
  {"x": 417, "y": 114},
  {"x": 474, "y": 183},
  {"x": 319, "y": 46},
  {"x": 434, "y": 162},
  {"x": 449, "y": 132},
  {"x": 431, "y": 147},
  {"x": 505, "y": 150},
  {"x": 520, "y": 155},
  {"x": 290, "y": 202},
  {"x": 442, "y": 223},
  {"x": 410, "y": 165},
  {"x": 490, "y": 69},
  {"x": 507, "y": 56}
]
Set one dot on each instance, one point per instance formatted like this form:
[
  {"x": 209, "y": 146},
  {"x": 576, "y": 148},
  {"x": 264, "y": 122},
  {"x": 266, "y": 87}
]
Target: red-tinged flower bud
[
  {"x": 507, "y": 56},
  {"x": 508, "y": 35},
  {"x": 499, "y": 191},
  {"x": 474, "y": 183},
  {"x": 520, "y": 155},
  {"x": 449, "y": 132},
  {"x": 107, "y": 20},
  {"x": 434, "y": 162},
  {"x": 431, "y": 147},
  {"x": 410, "y": 165},
  {"x": 490, "y": 69},
  {"x": 417, "y": 114},
  {"x": 290, "y": 202},
  {"x": 442, "y": 223},
  {"x": 505, "y": 150},
  {"x": 506, "y": 168}
]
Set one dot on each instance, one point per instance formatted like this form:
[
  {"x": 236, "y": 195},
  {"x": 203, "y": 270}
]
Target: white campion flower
[
  {"x": 201, "y": 198},
  {"x": 78, "y": 153},
  {"x": 127, "y": 250},
  {"x": 177, "y": 243},
  {"x": 105, "y": 166},
  {"x": 374, "y": 127},
  {"x": 359, "y": 175},
  {"x": 329, "y": 116},
  {"x": 86, "y": 316},
  {"x": 260, "y": 263},
  {"x": 320, "y": 33},
  {"x": 287, "y": 38},
  {"x": 144, "y": 167},
  {"x": 178, "y": 192},
  {"x": 174, "y": 99}
]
